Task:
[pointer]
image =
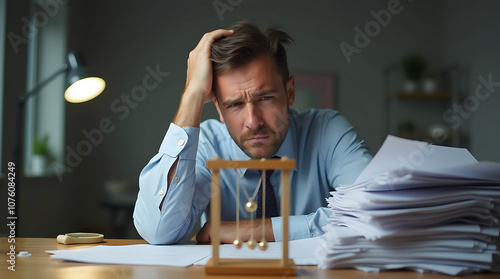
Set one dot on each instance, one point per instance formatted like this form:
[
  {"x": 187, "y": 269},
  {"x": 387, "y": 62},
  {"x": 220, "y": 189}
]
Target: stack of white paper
[{"x": 420, "y": 207}]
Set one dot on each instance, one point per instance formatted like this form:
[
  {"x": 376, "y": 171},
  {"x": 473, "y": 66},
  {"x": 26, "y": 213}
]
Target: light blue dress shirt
[{"x": 326, "y": 148}]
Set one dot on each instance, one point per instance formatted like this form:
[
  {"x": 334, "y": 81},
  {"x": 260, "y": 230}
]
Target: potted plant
[
  {"x": 413, "y": 68},
  {"x": 41, "y": 153}
]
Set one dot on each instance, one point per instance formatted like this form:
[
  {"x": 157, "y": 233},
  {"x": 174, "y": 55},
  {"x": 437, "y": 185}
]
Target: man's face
[{"x": 253, "y": 102}]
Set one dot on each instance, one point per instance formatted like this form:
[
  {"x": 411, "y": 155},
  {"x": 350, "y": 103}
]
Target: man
[{"x": 244, "y": 71}]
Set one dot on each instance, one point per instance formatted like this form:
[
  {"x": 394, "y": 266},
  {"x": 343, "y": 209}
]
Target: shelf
[
  {"x": 420, "y": 95},
  {"x": 414, "y": 114}
]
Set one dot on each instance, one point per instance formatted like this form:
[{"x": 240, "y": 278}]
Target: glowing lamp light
[
  {"x": 84, "y": 89},
  {"x": 81, "y": 86}
]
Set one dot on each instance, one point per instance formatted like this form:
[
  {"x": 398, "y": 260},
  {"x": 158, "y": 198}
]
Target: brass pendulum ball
[
  {"x": 263, "y": 245},
  {"x": 252, "y": 243},
  {"x": 251, "y": 205},
  {"x": 237, "y": 243}
]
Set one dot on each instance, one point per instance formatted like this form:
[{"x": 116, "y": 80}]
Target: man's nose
[{"x": 253, "y": 117}]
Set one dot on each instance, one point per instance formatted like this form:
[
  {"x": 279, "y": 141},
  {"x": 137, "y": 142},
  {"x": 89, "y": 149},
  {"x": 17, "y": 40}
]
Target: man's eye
[
  {"x": 266, "y": 98},
  {"x": 234, "y": 105}
]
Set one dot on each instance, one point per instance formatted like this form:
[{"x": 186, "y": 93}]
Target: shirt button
[
  {"x": 312, "y": 234},
  {"x": 176, "y": 179},
  {"x": 181, "y": 142},
  {"x": 160, "y": 192}
]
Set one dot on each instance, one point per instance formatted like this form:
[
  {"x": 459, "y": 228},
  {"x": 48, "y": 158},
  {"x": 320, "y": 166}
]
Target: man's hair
[{"x": 247, "y": 43}]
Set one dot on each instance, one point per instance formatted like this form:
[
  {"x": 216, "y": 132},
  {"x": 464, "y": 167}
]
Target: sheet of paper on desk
[
  {"x": 140, "y": 254},
  {"x": 302, "y": 251}
]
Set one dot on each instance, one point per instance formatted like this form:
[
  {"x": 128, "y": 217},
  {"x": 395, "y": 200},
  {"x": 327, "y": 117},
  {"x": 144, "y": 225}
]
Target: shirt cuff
[
  {"x": 180, "y": 139},
  {"x": 298, "y": 227}
]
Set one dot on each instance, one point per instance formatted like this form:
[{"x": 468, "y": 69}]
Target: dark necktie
[{"x": 271, "y": 205}]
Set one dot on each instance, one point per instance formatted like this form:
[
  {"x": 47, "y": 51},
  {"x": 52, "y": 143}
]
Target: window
[{"x": 45, "y": 111}]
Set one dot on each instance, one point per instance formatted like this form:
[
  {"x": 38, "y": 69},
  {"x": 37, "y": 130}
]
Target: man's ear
[
  {"x": 290, "y": 90},
  {"x": 218, "y": 109}
]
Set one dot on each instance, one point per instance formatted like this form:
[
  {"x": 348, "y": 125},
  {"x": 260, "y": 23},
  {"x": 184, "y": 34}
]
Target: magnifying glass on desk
[{"x": 80, "y": 238}]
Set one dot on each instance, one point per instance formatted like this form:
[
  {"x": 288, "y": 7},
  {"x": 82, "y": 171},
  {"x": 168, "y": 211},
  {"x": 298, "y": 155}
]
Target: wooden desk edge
[{"x": 39, "y": 265}]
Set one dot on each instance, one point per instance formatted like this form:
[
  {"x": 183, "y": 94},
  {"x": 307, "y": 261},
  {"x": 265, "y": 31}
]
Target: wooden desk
[{"x": 39, "y": 265}]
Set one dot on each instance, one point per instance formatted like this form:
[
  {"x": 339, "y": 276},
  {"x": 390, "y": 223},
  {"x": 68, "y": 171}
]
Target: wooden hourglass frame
[{"x": 219, "y": 266}]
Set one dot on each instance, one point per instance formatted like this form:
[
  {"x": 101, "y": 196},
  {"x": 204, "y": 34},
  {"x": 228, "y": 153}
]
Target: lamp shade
[{"x": 81, "y": 85}]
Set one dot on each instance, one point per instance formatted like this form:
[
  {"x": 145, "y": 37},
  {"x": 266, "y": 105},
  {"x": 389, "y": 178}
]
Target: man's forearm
[{"x": 190, "y": 109}]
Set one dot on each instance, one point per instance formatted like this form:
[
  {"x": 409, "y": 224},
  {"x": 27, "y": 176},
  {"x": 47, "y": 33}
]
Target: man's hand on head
[
  {"x": 199, "y": 77},
  {"x": 227, "y": 231}
]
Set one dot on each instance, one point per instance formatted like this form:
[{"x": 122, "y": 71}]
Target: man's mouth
[{"x": 257, "y": 138}]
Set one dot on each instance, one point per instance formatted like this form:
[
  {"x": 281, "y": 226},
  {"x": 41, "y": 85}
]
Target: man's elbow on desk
[
  {"x": 154, "y": 238},
  {"x": 154, "y": 235}
]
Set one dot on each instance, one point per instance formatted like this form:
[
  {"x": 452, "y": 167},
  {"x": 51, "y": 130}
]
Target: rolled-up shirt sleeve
[{"x": 177, "y": 216}]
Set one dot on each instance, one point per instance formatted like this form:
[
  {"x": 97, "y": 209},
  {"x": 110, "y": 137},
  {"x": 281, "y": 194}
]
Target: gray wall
[
  {"x": 120, "y": 39},
  {"x": 471, "y": 37}
]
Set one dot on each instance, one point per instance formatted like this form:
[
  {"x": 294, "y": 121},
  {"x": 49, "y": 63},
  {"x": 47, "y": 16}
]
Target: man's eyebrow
[
  {"x": 264, "y": 93},
  {"x": 254, "y": 96},
  {"x": 230, "y": 102}
]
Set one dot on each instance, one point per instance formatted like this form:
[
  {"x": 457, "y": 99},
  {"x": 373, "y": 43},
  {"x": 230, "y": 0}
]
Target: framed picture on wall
[{"x": 314, "y": 91}]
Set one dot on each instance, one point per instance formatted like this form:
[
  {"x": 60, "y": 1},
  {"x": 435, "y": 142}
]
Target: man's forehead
[
  {"x": 258, "y": 75},
  {"x": 251, "y": 89}
]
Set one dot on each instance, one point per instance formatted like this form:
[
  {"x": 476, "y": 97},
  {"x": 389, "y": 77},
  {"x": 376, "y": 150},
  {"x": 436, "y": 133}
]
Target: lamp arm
[{"x": 24, "y": 98}]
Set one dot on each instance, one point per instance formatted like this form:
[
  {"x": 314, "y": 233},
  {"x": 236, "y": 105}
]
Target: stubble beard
[
  {"x": 249, "y": 150},
  {"x": 278, "y": 135}
]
